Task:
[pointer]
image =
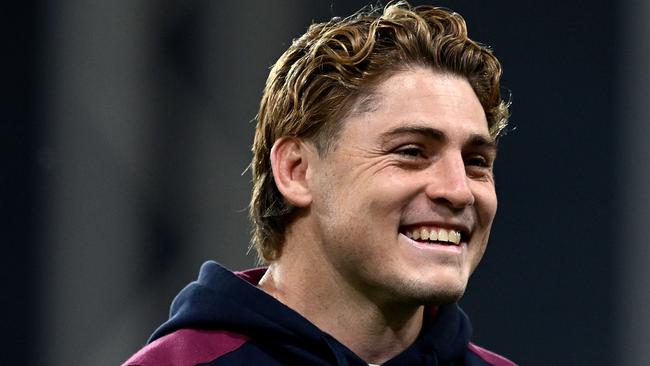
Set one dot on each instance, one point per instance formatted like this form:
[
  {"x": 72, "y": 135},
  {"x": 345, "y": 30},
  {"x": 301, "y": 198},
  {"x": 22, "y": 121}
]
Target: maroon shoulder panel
[
  {"x": 187, "y": 347},
  {"x": 490, "y": 357}
]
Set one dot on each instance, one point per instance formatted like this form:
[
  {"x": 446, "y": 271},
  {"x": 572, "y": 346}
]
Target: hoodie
[{"x": 222, "y": 318}]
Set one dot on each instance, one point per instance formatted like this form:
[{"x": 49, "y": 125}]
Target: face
[{"x": 402, "y": 206}]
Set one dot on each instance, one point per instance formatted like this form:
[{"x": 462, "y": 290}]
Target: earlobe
[{"x": 290, "y": 163}]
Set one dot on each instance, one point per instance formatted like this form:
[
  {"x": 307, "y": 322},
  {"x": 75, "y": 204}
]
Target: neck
[{"x": 376, "y": 332}]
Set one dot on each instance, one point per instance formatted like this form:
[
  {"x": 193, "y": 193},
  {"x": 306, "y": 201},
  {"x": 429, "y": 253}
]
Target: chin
[
  {"x": 440, "y": 293},
  {"x": 446, "y": 296}
]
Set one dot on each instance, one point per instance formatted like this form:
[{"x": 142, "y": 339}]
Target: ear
[{"x": 290, "y": 163}]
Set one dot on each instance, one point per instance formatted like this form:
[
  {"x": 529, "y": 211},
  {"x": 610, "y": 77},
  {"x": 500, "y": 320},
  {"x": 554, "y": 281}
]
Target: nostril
[
  {"x": 449, "y": 191},
  {"x": 455, "y": 203}
]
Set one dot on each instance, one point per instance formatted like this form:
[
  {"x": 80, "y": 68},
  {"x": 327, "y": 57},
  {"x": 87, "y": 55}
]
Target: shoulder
[
  {"x": 187, "y": 347},
  {"x": 489, "y": 356}
]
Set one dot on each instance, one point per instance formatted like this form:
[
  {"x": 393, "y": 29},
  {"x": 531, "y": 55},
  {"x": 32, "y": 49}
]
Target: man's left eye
[{"x": 478, "y": 161}]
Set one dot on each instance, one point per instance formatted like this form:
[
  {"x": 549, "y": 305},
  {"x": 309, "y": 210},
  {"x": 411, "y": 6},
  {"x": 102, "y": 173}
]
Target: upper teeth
[{"x": 433, "y": 234}]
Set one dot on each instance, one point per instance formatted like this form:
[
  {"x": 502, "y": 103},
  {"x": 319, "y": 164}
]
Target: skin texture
[{"x": 422, "y": 157}]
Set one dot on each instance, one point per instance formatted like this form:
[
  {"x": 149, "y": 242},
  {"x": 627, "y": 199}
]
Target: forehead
[{"x": 420, "y": 96}]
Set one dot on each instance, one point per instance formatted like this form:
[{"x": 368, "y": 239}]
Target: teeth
[
  {"x": 443, "y": 235},
  {"x": 454, "y": 236},
  {"x": 432, "y": 234}
]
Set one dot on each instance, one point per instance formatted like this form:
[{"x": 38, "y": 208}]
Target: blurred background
[{"x": 126, "y": 128}]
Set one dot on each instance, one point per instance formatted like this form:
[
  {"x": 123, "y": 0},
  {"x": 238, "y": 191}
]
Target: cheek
[
  {"x": 486, "y": 201},
  {"x": 365, "y": 195},
  {"x": 386, "y": 197}
]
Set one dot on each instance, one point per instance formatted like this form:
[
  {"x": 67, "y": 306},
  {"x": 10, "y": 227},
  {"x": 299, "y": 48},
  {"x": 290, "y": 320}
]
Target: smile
[{"x": 434, "y": 235}]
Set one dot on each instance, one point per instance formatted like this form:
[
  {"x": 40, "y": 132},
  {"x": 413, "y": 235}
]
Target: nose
[{"x": 448, "y": 182}]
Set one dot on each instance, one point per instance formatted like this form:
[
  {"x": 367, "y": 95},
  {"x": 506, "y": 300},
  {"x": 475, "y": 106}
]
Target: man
[{"x": 372, "y": 204}]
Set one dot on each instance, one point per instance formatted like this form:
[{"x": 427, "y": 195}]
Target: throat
[{"x": 382, "y": 337}]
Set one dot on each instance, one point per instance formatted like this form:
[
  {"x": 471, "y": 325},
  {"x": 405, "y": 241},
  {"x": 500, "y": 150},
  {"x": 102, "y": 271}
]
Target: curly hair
[{"x": 316, "y": 81}]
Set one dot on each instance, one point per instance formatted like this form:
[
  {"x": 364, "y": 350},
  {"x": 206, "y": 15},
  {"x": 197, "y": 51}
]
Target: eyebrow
[
  {"x": 475, "y": 140},
  {"x": 428, "y": 132},
  {"x": 482, "y": 141}
]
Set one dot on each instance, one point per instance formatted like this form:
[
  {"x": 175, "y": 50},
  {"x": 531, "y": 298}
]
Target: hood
[{"x": 220, "y": 299}]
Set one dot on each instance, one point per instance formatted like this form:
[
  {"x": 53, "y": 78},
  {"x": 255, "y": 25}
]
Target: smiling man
[{"x": 372, "y": 204}]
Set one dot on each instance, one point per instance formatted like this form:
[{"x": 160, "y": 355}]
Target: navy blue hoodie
[{"x": 224, "y": 319}]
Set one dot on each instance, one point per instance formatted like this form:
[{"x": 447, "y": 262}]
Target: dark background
[{"x": 126, "y": 127}]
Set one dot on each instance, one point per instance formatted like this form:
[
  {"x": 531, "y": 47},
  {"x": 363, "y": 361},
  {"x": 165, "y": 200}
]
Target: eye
[
  {"x": 477, "y": 161},
  {"x": 479, "y": 166},
  {"x": 411, "y": 151}
]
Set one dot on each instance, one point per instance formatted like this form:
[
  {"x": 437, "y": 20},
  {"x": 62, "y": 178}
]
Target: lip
[{"x": 434, "y": 247}]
